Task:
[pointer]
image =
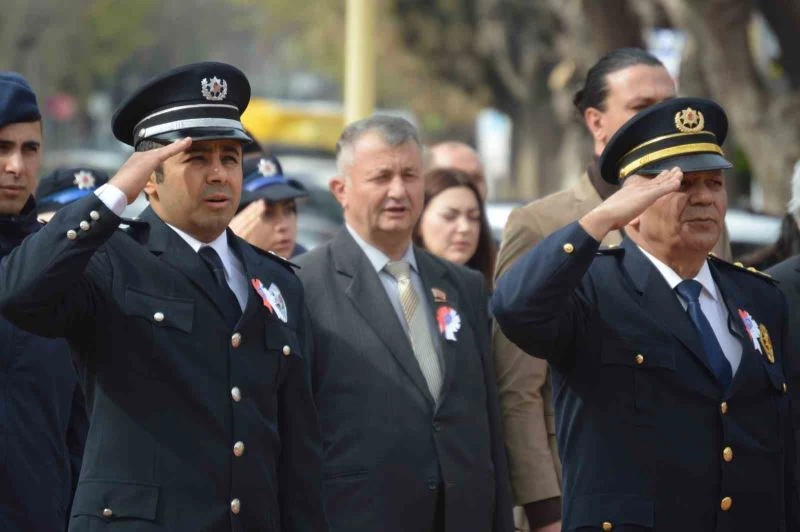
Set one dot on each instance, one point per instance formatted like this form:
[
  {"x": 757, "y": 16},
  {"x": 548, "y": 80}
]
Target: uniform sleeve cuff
[
  {"x": 543, "y": 513},
  {"x": 113, "y": 198}
]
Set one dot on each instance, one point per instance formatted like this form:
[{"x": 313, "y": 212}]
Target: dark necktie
[
  {"x": 689, "y": 290},
  {"x": 229, "y": 303}
]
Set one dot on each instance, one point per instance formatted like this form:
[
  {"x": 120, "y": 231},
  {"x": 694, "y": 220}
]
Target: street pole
[{"x": 359, "y": 82}]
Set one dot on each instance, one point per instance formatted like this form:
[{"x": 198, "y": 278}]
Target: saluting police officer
[
  {"x": 669, "y": 366},
  {"x": 202, "y": 417}
]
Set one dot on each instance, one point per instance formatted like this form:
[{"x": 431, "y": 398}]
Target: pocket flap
[
  {"x": 160, "y": 311},
  {"x": 617, "y": 509},
  {"x": 110, "y": 499},
  {"x": 277, "y": 336}
]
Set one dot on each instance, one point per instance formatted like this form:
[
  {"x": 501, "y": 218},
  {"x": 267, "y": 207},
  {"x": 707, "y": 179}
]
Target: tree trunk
[
  {"x": 613, "y": 24},
  {"x": 783, "y": 16},
  {"x": 767, "y": 126}
]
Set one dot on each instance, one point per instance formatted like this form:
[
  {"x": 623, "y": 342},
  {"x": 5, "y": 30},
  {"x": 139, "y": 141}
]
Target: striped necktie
[{"x": 418, "y": 329}]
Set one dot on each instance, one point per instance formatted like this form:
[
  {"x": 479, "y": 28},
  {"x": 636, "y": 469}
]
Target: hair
[
  {"x": 147, "y": 145},
  {"x": 437, "y": 181},
  {"x": 595, "y": 88},
  {"x": 393, "y": 130}
]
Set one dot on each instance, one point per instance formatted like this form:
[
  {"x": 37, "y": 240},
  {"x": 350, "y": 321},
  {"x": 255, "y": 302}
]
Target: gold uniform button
[
  {"x": 727, "y": 454},
  {"x": 107, "y": 512},
  {"x": 236, "y": 506},
  {"x": 236, "y": 339},
  {"x": 236, "y": 394},
  {"x": 607, "y": 527},
  {"x": 784, "y": 387},
  {"x": 238, "y": 448},
  {"x": 158, "y": 316},
  {"x": 287, "y": 350},
  {"x": 723, "y": 407},
  {"x": 725, "y": 504},
  {"x": 639, "y": 359},
  {"x": 72, "y": 234},
  {"x": 739, "y": 264},
  {"x": 568, "y": 248},
  {"x": 94, "y": 215}
]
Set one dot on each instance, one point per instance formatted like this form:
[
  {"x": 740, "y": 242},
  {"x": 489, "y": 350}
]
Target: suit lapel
[
  {"x": 365, "y": 290},
  {"x": 735, "y": 300},
  {"x": 660, "y": 301},
  {"x": 174, "y": 251},
  {"x": 251, "y": 261},
  {"x": 434, "y": 275}
]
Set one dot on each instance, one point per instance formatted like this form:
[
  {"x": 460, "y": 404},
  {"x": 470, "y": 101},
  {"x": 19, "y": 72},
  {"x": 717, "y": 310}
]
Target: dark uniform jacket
[
  {"x": 171, "y": 388},
  {"x": 647, "y": 437},
  {"x": 389, "y": 451},
  {"x": 43, "y": 419}
]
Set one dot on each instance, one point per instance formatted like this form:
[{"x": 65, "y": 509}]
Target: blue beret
[
  {"x": 17, "y": 100},
  {"x": 65, "y": 185}
]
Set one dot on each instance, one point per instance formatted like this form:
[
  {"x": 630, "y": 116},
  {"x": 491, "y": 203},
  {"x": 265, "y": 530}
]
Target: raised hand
[
  {"x": 630, "y": 201},
  {"x": 134, "y": 174},
  {"x": 248, "y": 224}
]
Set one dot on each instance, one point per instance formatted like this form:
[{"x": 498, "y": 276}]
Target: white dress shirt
[
  {"x": 115, "y": 200},
  {"x": 379, "y": 260},
  {"x": 712, "y": 305}
]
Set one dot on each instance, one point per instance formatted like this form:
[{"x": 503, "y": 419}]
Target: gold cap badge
[{"x": 689, "y": 121}]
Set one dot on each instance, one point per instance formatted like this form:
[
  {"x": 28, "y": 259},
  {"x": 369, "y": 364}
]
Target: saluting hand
[
  {"x": 134, "y": 174},
  {"x": 249, "y": 224},
  {"x": 630, "y": 201}
]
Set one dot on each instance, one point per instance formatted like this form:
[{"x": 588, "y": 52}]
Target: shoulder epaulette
[
  {"x": 133, "y": 227},
  {"x": 738, "y": 266},
  {"x": 286, "y": 263},
  {"x": 611, "y": 249}
]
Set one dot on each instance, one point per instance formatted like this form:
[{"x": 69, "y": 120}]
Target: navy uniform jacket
[
  {"x": 171, "y": 388},
  {"x": 389, "y": 449},
  {"x": 648, "y": 439},
  {"x": 43, "y": 420}
]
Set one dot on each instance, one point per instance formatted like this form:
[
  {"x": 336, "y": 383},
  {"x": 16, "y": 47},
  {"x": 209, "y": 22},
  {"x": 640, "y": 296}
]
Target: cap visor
[
  {"x": 277, "y": 192},
  {"x": 203, "y": 133},
  {"x": 691, "y": 162}
]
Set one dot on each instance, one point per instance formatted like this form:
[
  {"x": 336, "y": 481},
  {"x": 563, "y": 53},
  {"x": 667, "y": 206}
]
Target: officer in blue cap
[
  {"x": 268, "y": 212},
  {"x": 670, "y": 367},
  {"x": 42, "y": 411},
  {"x": 62, "y": 186},
  {"x": 194, "y": 341}
]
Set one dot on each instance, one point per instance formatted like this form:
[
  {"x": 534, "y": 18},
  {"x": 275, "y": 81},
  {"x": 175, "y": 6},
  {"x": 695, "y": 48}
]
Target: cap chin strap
[{"x": 683, "y": 149}]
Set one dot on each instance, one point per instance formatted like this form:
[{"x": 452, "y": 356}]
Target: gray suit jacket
[{"x": 388, "y": 449}]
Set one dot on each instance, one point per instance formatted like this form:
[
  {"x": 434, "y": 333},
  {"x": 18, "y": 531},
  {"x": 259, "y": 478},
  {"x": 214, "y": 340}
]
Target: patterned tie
[
  {"x": 229, "y": 303},
  {"x": 418, "y": 330},
  {"x": 689, "y": 290}
]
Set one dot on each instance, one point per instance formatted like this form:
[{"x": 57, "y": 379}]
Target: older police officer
[
  {"x": 202, "y": 417},
  {"x": 669, "y": 367}
]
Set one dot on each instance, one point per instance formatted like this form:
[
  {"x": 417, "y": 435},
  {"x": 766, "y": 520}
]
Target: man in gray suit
[{"x": 401, "y": 365}]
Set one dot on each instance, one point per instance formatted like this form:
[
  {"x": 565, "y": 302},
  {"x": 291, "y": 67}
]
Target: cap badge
[
  {"x": 689, "y": 121},
  {"x": 215, "y": 89},
  {"x": 267, "y": 168},
  {"x": 84, "y": 180}
]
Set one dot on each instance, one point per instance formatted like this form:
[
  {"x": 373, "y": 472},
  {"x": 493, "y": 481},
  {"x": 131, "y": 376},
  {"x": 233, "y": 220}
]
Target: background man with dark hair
[{"x": 43, "y": 419}]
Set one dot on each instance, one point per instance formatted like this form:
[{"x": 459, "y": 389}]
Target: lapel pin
[
  {"x": 438, "y": 295},
  {"x": 767, "y": 343},
  {"x": 752, "y": 329}
]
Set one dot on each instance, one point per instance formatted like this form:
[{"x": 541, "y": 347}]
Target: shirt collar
[
  {"x": 378, "y": 258},
  {"x": 673, "y": 279},
  {"x": 219, "y": 244}
]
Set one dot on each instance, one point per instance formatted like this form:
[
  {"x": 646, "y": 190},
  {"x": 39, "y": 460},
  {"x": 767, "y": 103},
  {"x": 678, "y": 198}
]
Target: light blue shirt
[{"x": 379, "y": 260}]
